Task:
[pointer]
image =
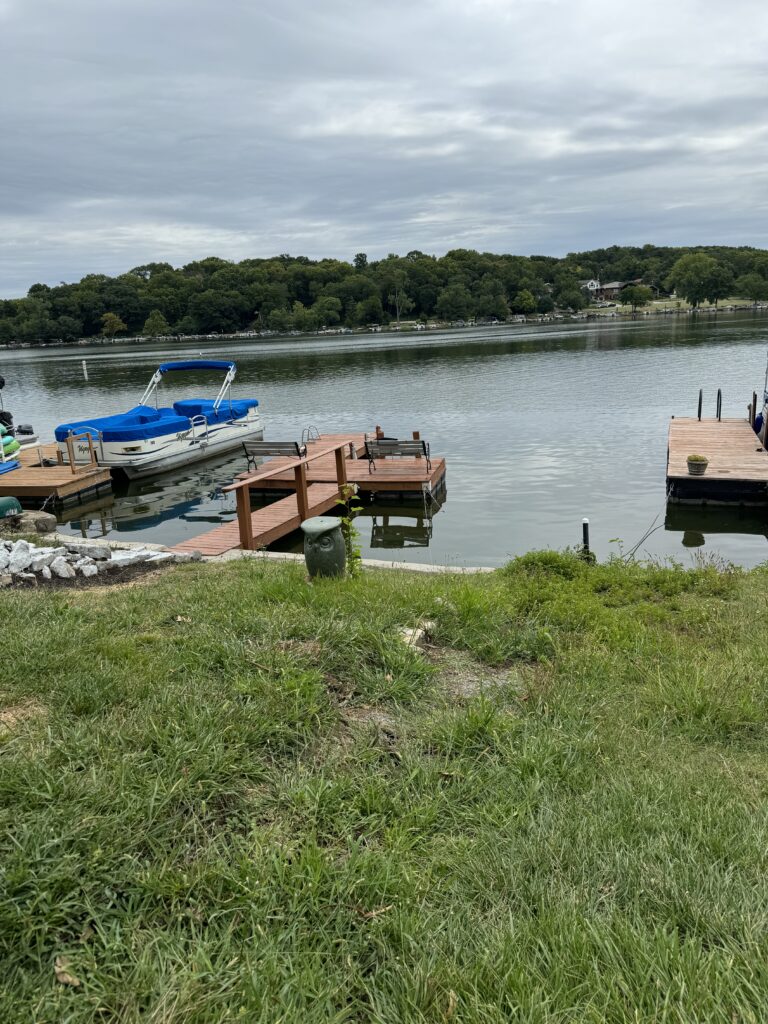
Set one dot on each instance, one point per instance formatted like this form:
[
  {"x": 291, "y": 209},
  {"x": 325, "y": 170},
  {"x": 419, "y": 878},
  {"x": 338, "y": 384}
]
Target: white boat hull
[{"x": 156, "y": 455}]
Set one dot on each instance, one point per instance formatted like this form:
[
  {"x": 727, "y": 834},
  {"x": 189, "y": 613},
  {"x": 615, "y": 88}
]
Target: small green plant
[
  {"x": 351, "y": 505},
  {"x": 698, "y": 458}
]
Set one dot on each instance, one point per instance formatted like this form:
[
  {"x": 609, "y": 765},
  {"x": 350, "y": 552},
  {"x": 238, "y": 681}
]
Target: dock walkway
[{"x": 738, "y": 463}]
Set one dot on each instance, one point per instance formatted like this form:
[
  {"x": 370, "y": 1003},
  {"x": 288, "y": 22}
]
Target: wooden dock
[
  {"x": 332, "y": 463},
  {"x": 390, "y": 476},
  {"x": 34, "y": 484},
  {"x": 737, "y": 473}
]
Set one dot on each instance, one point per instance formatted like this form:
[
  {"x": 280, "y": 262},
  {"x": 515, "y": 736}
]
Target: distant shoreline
[{"x": 602, "y": 316}]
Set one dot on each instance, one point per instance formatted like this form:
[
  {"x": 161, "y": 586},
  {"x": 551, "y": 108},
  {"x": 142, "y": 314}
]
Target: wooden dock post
[
  {"x": 341, "y": 469},
  {"x": 243, "y": 497},
  {"x": 300, "y": 475},
  {"x": 417, "y": 437}
]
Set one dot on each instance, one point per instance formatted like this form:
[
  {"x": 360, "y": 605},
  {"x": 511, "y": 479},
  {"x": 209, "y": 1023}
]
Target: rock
[
  {"x": 121, "y": 559},
  {"x": 82, "y": 562},
  {"x": 418, "y": 635},
  {"x": 88, "y": 549},
  {"x": 6, "y": 580},
  {"x": 5, "y": 557},
  {"x": 159, "y": 557},
  {"x": 60, "y": 567},
  {"x": 27, "y": 576},
  {"x": 89, "y": 570},
  {"x": 45, "y": 572},
  {"x": 42, "y": 557},
  {"x": 21, "y": 557},
  {"x": 34, "y": 521}
]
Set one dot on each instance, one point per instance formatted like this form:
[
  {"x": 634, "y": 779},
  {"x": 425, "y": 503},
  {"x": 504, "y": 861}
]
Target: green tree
[
  {"x": 327, "y": 311},
  {"x": 571, "y": 298},
  {"x": 720, "y": 283},
  {"x": 635, "y": 295},
  {"x": 454, "y": 302},
  {"x": 752, "y": 286},
  {"x": 156, "y": 326},
  {"x": 691, "y": 276},
  {"x": 111, "y": 324},
  {"x": 524, "y": 302}
]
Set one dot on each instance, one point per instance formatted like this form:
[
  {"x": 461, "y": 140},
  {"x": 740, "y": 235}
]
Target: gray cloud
[{"x": 135, "y": 131}]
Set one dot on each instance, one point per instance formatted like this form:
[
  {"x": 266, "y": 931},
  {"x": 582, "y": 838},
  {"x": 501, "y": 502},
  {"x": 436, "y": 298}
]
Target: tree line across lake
[{"x": 295, "y": 293}]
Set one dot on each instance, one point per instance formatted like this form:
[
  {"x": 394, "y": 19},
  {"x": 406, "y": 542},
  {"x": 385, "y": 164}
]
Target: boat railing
[{"x": 199, "y": 421}]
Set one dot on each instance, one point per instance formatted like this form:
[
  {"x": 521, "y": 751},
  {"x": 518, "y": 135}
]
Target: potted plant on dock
[{"x": 697, "y": 465}]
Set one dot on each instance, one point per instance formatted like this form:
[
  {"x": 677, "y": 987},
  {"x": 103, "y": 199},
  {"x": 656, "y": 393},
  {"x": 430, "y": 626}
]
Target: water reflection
[{"x": 701, "y": 528}]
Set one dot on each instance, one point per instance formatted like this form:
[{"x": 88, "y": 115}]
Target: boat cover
[
  {"x": 6, "y": 467},
  {"x": 143, "y": 422}
]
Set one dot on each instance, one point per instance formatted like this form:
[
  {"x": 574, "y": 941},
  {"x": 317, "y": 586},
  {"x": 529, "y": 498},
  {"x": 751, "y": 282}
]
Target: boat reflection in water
[
  {"x": 176, "y": 506},
  {"x": 700, "y": 527}
]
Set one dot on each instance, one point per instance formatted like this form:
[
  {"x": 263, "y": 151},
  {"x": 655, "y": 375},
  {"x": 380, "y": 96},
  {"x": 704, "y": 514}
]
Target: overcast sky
[{"x": 141, "y": 130}]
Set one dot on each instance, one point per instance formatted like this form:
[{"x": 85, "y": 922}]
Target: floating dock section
[
  {"x": 737, "y": 473},
  {"x": 42, "y": 479}
]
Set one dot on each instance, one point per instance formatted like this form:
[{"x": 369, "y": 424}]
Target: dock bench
[
  {"x": 261, "y": 449},
  {"x": 381, "y": 448}
]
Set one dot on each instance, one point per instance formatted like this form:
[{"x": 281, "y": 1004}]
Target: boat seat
[{"x": 204, "y": 407}]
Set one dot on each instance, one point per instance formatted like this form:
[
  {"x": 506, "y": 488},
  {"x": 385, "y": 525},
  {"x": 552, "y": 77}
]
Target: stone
[
  {"x": 20, "y": 557},
  {"x": 41, "y": 557},
  {"x": 45, "y": 572},
  {"x": 5, "y": 557},
  {"x": 26, "y": 576},
  {"x": 88, "y": 549},
  {"x": 6, "y": 580},
  {"x": 161, "y": 557},
  {"x": 121, "y": 559},
  {"x": 89, "y": 570},
  {"x": 35, "y": 521},
  {"x": 60, "y": 567}
]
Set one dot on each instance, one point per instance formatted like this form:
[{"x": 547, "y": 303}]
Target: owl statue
[{"x": 324, "y": 550}]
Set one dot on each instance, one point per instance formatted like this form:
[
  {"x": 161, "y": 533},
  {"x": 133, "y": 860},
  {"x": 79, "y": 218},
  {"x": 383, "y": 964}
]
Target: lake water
[{"x": 540, "y": 426}]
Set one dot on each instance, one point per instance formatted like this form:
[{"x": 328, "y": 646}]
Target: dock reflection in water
[{"x": 697, "y": 526}]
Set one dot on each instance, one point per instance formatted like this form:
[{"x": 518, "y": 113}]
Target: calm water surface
[{"x": 540, "y": 426}]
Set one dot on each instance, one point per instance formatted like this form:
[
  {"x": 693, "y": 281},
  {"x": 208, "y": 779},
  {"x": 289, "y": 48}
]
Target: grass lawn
[{"x": 230, "y": 796}]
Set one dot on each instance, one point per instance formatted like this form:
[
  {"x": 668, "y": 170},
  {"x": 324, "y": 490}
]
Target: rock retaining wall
[{"x": 69, "y": 558}]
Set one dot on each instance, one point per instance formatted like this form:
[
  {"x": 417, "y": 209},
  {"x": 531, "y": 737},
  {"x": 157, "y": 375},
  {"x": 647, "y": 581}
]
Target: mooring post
[
  {"x": 85, "y": 370},
  {"x": 701, "y": 399},
  {"x": 417, "y": 437},
  {"x": 585, "y": 535},
  {"x": 753, "y": 411}
]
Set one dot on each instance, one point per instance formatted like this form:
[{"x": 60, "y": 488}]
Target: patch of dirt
[
  {"x": 462, "y": 677},
  {"x": 302, "y": 648},
  {"x": 381, "y": 725},
  {"x": 15, "y": 714},
  {"x": 131, "y": 575}
]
